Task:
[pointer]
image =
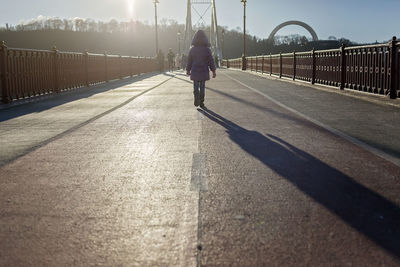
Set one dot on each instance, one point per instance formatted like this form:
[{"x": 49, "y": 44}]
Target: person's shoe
[
  {"x": 196, "y": 100},
  {"x": 202, "y": 105}
]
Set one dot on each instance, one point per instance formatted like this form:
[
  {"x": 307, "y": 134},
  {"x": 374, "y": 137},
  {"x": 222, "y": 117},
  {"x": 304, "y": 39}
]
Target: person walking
[
  {"x": 160, "y": 59},
  {"x": 178, "y": 59},
  {"x": 171, "y": 57},
  {"x": 200, "y": 62}
]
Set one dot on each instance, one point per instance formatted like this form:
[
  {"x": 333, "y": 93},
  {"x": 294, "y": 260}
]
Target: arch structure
[{"x": 294, "y": 22}]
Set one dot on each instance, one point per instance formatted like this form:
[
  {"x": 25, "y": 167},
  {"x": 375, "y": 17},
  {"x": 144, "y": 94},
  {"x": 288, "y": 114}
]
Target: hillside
[{"x": 138, "y": 39}]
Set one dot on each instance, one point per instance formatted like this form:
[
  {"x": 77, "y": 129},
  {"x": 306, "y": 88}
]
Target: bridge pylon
[{"x": 210, "y": 7}]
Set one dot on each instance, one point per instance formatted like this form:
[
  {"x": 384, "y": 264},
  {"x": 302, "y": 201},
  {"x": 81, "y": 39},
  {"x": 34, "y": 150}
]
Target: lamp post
[
  {"x": 244, "y": 63},
  {"x": 155, "y": 15},
  {"x": 223, "y": 43},
  {"x": 179, "y": 42}
]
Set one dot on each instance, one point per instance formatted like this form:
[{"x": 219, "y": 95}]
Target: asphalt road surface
[{"x": 268, "y": 174}]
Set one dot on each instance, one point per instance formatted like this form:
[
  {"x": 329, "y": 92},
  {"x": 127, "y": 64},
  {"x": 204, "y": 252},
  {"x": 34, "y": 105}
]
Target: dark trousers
[{"x": 199, "y": 90}]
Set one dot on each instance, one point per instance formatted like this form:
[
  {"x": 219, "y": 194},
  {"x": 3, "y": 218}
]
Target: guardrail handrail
[
  {"x": 31, "y": 72},
  {"x": 28, "y": 49},
  {"x": 327, "y": 50},
  {"x": 368, "y": 68},
  {"x": 367, "y": 46}
]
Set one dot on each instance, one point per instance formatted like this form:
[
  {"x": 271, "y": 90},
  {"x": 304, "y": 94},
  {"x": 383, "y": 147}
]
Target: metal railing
[
  {"x": 372, "y": 68},
  {"x": 27, "y": 73}
]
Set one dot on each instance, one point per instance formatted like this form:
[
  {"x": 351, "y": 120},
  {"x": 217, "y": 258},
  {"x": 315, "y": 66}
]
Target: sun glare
[{"x": 130, "y": 7}]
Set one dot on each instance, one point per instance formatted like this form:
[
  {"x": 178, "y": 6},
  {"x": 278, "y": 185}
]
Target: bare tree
[
  {"x": 113, "y": 25},
  {"x": 92, "y": 25},
  {"x": 57, "y": 24},
  {"x": 103, "y": 27},
  {"x": 85, "y": 25},
  {"x": 68, "y": 25},
  {"x": 78, "y": 24}
]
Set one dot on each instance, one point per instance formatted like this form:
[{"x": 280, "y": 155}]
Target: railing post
[
  {"x": 131, "y": 64},
  {"x": 120, "y": 67},
  {"x": 244, "y": 62},
  {"x": 393, "y": 68},
  {"x": 56, "y": 68},
  {"x": 86, "y": 59},
  {"x": 280, "y": 65},
  {"x": 4, "y": 73},
  {"x": 262, "y": 66},
  {"x": 270, "y": 64},
  {"x": 343, "y": 67},
  {"x": 314, "y": 65},
  {"x": 105, "y": 68},
  {"x": 294, "y": 65}
]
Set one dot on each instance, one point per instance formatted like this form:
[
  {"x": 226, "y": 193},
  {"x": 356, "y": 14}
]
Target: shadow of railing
[{"x": 363, "y": 209}]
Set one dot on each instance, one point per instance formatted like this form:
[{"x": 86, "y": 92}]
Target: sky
[{"x": 361, "y": 21}]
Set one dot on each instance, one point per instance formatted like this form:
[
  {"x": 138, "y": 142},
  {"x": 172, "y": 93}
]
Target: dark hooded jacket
[{"x": 200, "y": 59}]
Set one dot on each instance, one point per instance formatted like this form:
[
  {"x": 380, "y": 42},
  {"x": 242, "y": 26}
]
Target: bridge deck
[{"x": 271, "y": 173}]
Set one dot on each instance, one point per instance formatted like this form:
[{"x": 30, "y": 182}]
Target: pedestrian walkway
[
  {"x": 27, "y": 126},
  {"x": 132, "y": 176}
]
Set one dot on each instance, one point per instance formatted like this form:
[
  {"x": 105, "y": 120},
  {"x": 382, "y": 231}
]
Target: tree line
[
  {"x": 72, "y": 24},
  {"x": 138, "y": 39}
]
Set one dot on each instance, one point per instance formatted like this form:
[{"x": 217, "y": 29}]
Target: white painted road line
[{"x": 199, "y": 173}]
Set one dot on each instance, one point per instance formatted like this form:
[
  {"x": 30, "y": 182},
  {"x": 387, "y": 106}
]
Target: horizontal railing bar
[
  {"x": 303, "y": 53},
  {"x": 29, "y": 50},
  {"x": 95, "y": 54},
  {"x": 367, "y": 46},
  {"x": 69, "y": 53},
  {"x": 327, "y": 51}
]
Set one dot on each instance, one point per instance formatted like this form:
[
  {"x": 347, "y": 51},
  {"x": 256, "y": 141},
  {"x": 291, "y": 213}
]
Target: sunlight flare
[{"x": 130, "y": 7}]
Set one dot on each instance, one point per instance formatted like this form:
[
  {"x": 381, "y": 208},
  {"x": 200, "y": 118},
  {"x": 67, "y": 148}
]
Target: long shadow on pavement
[
  {"x": 295, "y": 119},
  {"x": 385, "y": 148},
  {"x": 46, "y": 102},
  {"x": 363, "y": 209}
]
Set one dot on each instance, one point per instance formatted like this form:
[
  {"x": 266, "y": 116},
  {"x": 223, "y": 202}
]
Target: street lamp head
[
  {"x": 156, "y": 2},
  {"x": 243, "y": 1}
]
